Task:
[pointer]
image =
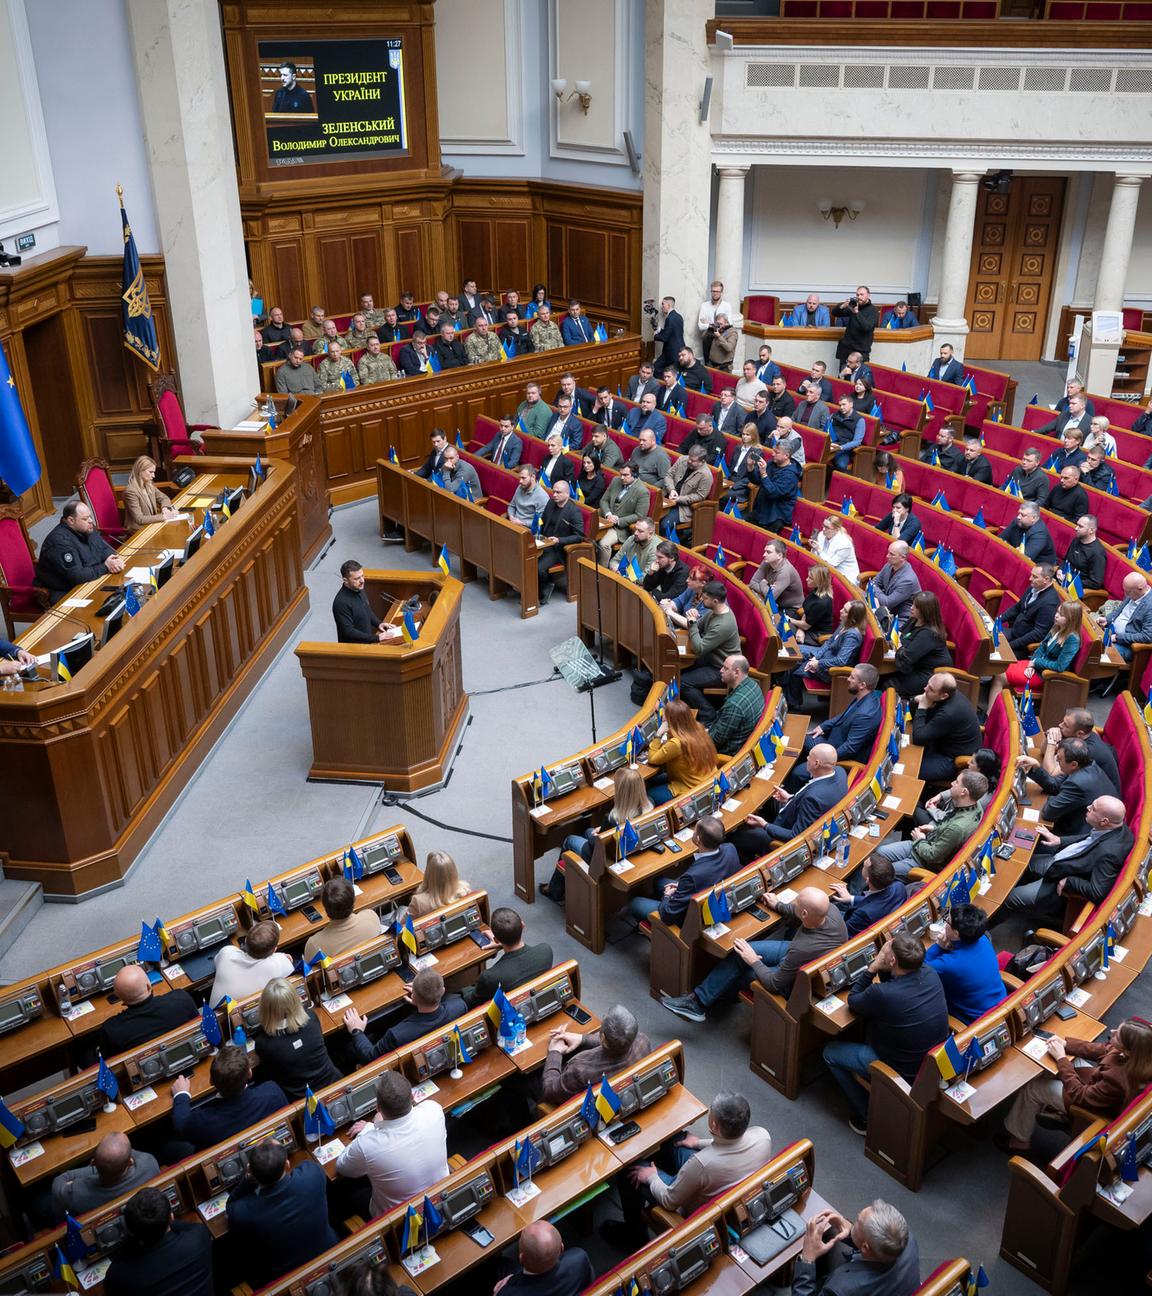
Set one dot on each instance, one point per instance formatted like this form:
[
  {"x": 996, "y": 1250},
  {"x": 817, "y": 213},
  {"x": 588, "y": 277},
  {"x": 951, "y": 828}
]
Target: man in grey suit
[
  {"x": 1131, "y": 623},
  {"x": 874, "y": 1256},
  {"x": 1073, "y": 790}
]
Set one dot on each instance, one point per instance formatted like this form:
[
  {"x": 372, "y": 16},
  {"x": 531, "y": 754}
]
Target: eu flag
[
  {"x": 149, "y": 949},
  {"x": 210, "y": 1026},
  {"x": 275, "y": 904},
  {"x": 588, "y": 1111},
  {"x": 75, "y": 1248},
  {"x": 139, "y": 326},
  {"x": 106, "y": 1082},
  {"x": 19, "y": 464}
]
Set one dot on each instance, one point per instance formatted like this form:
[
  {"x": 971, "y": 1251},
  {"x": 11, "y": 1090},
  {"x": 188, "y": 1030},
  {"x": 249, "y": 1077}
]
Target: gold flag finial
[{"x": 120, "y": 194}]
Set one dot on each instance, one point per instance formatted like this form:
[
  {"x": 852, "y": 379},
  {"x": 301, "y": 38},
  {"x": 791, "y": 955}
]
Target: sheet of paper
[
  {"x": 787, "y": 895},
  {"x": 424, "y": 961},
  {"x": 830, "y": 1004},
  {"x": 140, "y": 1099},
  {"x": 621, "y": 866},
  {"x": 897, "y": 769},
  {"x": 1117, "y": 1192},
  {"x": 905, "y": 739},
  {"x": 525, "y": 1193},
  {"x": 78, "y": 1010},
  {"x": 336, "y": 1004},
  {"x": 984, "y": 887},
  {"x": 137, "y": 576},
  {"x": 891, "y": 803},
  {"x": 76, "y": 603},
  {"x": 1036, "y": 1048},
  {"x": 604, "y": 785},
  {"x": 420, "y": 1260},
  {"x": 209, "y": 1209},
  {"x": 29, "y": 1152},
  {"x": 1119, "y": 953},
  {"x": 325, "y": 1152},
  {"x": 717, "y": 930},
  {"x": 1029, "y": 815},
  {"x": 425, "y": 1089},
  {"x": 173, "y": 972},
  {"x": 685, "y": 834},
  {"x": 859, "y": 832},
  {"x": 765, "y": 773},
  {"x": 540, "y": 812},
  {"x": 93, "y": 1276},
  {"x": 731, "y": 804},
  {"x": 1078, "y": 997},
  {"x": 960, "y": 1092}
]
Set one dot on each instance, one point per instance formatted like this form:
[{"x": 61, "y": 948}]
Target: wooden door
[{"x": 1013, "y": 267}]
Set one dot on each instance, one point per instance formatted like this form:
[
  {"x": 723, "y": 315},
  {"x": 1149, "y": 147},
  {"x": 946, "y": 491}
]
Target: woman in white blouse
[{"x": 833, "y": 545}]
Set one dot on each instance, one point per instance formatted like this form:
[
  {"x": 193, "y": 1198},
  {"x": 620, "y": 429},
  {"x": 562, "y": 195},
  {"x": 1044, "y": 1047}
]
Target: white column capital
[
  {"x": 733, "y": 172},
  {"x": 1133, "y": 181},
  {"x": 968, "y": 177}
]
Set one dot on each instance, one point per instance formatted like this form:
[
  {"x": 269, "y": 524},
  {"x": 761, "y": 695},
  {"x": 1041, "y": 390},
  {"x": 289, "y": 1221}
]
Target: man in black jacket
[
  {"x": 1085, "y": 865},
  {"x": 1067, "y": 498},
  {"x": 449, "y": 350},
  {"x": 237, "y": 1104},
  {"x": 1030, "y": 477},
  {"x": 705, "y": 435},
  {"x": 74, "y": 552},
  {"x": 432, "y": 1007},
  {"x": 145, "y": 1016},
  {"x": 1032, "y": 532},
  {"x": 693, "y": 375},
  {"x": 355, "y": 620},
  {"x": 860, "y": 319},
  {"x": 1030, "y": 618},
  {"x": 780, "y": 400},
  {"x": 945, "y": 725},
  {"x": 1086, "y": 556},
  {"x": 162, "y": 1256},
  {"x": 1078, "y": 722},
  {"x": 1070, "y": 793},
  {"x": 561, "y": 525},
  {"x": 669, "y": 334},
  {"x": 976, "y": 465},
  {"x": 668, "y": 578},
  {"x": 435, "y": 461},
  {"x": 902, "y": 1002},
  {"x": 945, "y": 453}
]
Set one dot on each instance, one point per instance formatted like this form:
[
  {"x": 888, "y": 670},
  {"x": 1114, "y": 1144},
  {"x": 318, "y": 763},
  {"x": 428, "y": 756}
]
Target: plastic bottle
[
  {"x": 521, "y": 1034},
  {"x": 843, "y": 846}
]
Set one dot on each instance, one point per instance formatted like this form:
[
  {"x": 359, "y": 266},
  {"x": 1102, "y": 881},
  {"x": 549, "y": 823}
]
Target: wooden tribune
[
  {"x": 390, "y": 713},
  {"x": 94, "y": 765}
]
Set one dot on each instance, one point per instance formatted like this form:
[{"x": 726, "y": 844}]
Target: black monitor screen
[
  {"x": 648, "y": 728},
  {"x": 746, "y": 892},
  {"x": 608, "y": 759},
  {"x": 740, "y": 774},
  {"x": 858, "y": 961},
  {"x": 690, "y": 1261},
  {"x": 1090, "y": 960},
  {"x": 164, "y": 570},
  {"x": 458, "y": 925},
  {"x": 179, "y": 1055},
  {"x": 790, "y": 865},
  {"x": 192, "y": 544},
  {"x": 650, "y": 1086},
  {"x": 565, "y": 779},
  {"x": 864, "y": 805},
  {"x": 1126, "y": 913},
  {"x": 372, "y": 965},
  {"x": 210, "y": 930},
  {"x": 11, "y": 1013},
  {"x": 107, "y": 971},
  {"x": 781, "y": 1197},
  {"x": 546, "y": 1001},
  {"x": 112, "y": 624},
  {"x": 652, "y": 832},
  {"x": 297, "y": 891},
  {"x": 461, "y": 1203},
  {"x": 235, "y": 498},
  {"x": 1044, "y": 1002},
  {"x": 1007, "y": 818},
  {"x": 69, "y": 1107}
]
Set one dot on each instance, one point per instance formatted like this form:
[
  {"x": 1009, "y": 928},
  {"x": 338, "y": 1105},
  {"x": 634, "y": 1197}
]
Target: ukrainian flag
[
  {"x": 411, "y": 633},
  {"x": 249, "y": 896},
  {"x": 413, "y": 1223},
  {"x": 442, "y": 561},
  {"x": 607, "y": 1102},
  {"x": 406, "y": 933},
  {"x": 62, "y": 1268},
  {"x": 876, "y": 788},
  {"x": 948, "y": 1058},
  {"x": 11, "y": 1127}
]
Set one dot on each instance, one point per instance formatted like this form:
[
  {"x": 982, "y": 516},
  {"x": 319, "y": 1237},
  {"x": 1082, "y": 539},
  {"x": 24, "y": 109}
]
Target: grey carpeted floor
[{"x": 250, "y": 813}]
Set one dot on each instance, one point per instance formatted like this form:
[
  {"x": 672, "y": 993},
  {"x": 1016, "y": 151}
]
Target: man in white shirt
[
  {"x": 748, "y": 386},
  {"x": 404, "y": 1151},
  {"x": 242, "y": 972},
  {"x": 706, "y": 320}
]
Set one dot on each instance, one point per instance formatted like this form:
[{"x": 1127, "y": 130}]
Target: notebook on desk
[{"x": 765, "y": 1243}]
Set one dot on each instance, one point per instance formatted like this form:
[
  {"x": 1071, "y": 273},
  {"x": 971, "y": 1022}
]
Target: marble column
[
  {"x": 729, "y": 253},
  {"x": 677, "y": 156},
  {"x": 1117, "y": 248},
  {"x": 949, "y": 324},
  {"x": 179, "y": 57}
]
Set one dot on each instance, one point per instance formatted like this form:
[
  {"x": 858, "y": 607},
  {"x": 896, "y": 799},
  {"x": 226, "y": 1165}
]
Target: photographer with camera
[{"x": 861, "y": 318}]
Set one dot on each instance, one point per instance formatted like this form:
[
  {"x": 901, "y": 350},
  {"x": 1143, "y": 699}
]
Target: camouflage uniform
[
  {"x": 547, "y": 337},
  {"x": 331, "y": 374},
  {"x": 483, "y": 349},
  {"x": 376, "y": 369}
]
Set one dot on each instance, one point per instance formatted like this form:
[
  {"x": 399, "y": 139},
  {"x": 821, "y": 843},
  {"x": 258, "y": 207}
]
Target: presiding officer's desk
[
  {"x": 390, "y": 712},
  {"x": 90, "y": 768}
]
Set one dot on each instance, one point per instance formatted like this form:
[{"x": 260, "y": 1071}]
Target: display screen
[
  {"x": 650, "y": 1086},
  {"x": 565, "y": 779},
  {"x": 655, "y": 830},
  {"x": 740, "y": 775},
  {"x": 546, "y": 1001},
  {"x": 858, "y": 961},
  {"x": 746, "y": 892},
  {"x": 107, "y": 971},
  {"x": 179, "y": 1055},
  {"x": 11, "y": 1014},
  {"x": 1045, "y": 1002},
  {"x": 324, "y": 101},
  {"x": 372, "y": 966},
  {"x": 69, "y": 1107},
  {"x": 781, "y": 1195},
  {"x": 692, "y": 1260},
  {"x": 297, "y": 890},
  {"x": 609, "y": 758},
  {"x": 211, "y": 929}
]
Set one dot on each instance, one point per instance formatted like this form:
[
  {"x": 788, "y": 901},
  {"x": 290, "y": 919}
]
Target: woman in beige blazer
[{"x": 143, "y": 503}]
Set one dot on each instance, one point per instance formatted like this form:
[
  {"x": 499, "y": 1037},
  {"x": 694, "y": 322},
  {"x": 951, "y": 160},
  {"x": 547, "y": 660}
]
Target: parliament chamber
[{"x": 604, "y": 755}]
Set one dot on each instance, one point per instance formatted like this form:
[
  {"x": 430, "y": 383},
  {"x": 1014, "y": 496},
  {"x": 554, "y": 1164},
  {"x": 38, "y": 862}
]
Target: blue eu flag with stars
[
  {"x": 136, "y": 309},
  {"x": 19, "y": 463}
]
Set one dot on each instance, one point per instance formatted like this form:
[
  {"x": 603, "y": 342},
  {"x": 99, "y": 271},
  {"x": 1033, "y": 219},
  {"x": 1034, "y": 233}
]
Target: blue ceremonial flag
[
  {"x": 977, "y": 1281},
  {"x": 19, "y": 463},
  {"x": 63, "y": 1269},
  {"x": 628, "y": 838},
  {"x": 1143, "y": 558},
  {"x": 720, "y": 907},
  {"x": 997, "y": 632},
  {"x": 210, "y": 1025},
  {"x": 786, "y": 320},
  {"x": 275, "y": 904},
  {"x": 139, "y": 326},
  {"x": 75, "y": 1248},
  {"x": 669, "y": 528},
  {"x": 393, "y": 457},
  {"x": 1129, "y": 1165},
  {"x": 240, "y": 1037},
  {"x": 547, "y": 784},
  {"x": 1035, "y": 399},
  {"x": 588, "y": 1110},
  {"x": 927, "y": 399},
  {"x": 903, "y": 366},
  {"x": 106, "y": 1081},
  {"x": 258, "y": 467},
  {"x": 528, "y": 1159},
  {"x": 209, "y": 525},
  {"x": 318, "y": 1121},
  {"x": 876, "y": 411},
  {"x": 353, "y": 865},
  {"x": 131, "y": 602},
  {"x": 149, "y": 949},
  {"x": 433, "y": 1220},
  {"x": 721, "y": 558},
  {"x": 411, "y": 633},
  {"x": 978, "y": 520}
]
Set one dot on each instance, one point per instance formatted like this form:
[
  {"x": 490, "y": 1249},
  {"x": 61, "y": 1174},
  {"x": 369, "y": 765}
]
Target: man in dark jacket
[
  {"x": 875, "y": 1256},
  {"x": 448, "y": 348},
  {"x": 976, "y": 465},
  {"x": 162, "y": 1256},
  {"x": 711, "y": 439},
  {"x": 1030, "y": 477},
  {"x": 1028, "y": 530},
  {"x": 145, "y": 1016},
  {"x": 432, "y": 1007},
  {"x": 1078, "y": 722},
  {"x": 715, "y": 859},
  {"x": 883, "y": 892},
  {"x": 852, "y": 732},
  {"x": 945, "y": 725},
  {"x": 774, "y": 963},
  {"x": 826, "y": 784},
  {"x": 779, "y": 488},
  {"x": 903, "y": 1006},
  {"x": 1073, "y": 790},
  {"x": 1067, "y": 498},
  {"x": 692, "y": 373},
  {"x": 1029, "y": 619},
  {"x": 945, "y": 453},
  {"x": 355, "y": 620},
  {"x": 517, "y": 963},
  {"x": 860, "y": 318},
  {"x": 237, "y": 1104},
  {"x": 561, "y": 525},
  {"x": 1084, "y": 866},
  {"x": 1086, "y": 555},
  {"x": 669, "y": 334},
  {"x": 277, "y": 1218},
  {"x": 74, "y": 552}
]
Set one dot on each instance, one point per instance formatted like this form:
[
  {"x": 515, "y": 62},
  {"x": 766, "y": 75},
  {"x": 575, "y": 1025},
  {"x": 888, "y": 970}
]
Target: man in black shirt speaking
[{"x": 355, "y": 620}]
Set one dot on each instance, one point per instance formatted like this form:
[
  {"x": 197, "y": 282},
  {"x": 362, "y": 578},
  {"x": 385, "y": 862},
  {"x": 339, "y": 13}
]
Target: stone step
[{"x": 18, "y": 903}]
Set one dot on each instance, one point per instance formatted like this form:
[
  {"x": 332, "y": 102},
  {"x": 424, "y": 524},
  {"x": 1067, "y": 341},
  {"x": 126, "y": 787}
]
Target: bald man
[
  {"x": 145, "y": 1015},
  {"x": 794, "y": 811},
  {"x": 546, "y": 1268},
  {"x": 115, "y": 1169},
  {"x": 774, "y": 963},
  {"x": 1131, "y": 622}
]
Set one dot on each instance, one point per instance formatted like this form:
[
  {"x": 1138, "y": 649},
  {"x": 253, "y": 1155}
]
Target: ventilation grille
[{"x": 950, "y": 78}]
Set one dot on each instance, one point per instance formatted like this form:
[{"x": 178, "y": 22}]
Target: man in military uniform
[
  {"x": 545, "y": 334},
  {"x": 328, "y": 335},
  {"x": 74, "y": 552},
  {"x": 375, "y": 366},
  {"x": 373, "y": 318},
  {"x": 295, "y": 377},
  {"x": 336, "y": 373},
  {"x": 482, "y": 344},
  {"x": 356, "y": 339},
  {"x": 314, "y": 325}
]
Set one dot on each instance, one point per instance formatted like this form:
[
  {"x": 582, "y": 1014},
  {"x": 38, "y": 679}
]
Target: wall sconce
[
  {"x": 837, "y": 214},
  {"x": 583, "y": 92}
]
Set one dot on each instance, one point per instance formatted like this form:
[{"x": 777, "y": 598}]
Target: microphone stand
[{"x": 607, "y": 674}]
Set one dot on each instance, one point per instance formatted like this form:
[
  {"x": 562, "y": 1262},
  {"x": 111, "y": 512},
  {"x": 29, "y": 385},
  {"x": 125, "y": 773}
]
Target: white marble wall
[
  {"x": 677, "y": 173},
  {"x": 27, "y": 191},
  {"x": 179, "y": 57}
]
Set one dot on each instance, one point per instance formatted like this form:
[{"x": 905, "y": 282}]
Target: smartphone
[
  {"x": 1006, "y": 851},
  {"x": 626, "y": 1131},
  {"x": 758, "y": 911},
  {"x": 311, "y": 913},
  {"x": 480, "y": 938},
  {"x": 674, "y": 846},
  {"x": 1065, "y": 1012},
  {"x": 879, "y": 814},
  {"x": 393, "y": 875},
  {"x": 578, "y": 1015},
  {"x": 659, "y": 848},
  {"x": 478, "y": 1233},
  {"x": 406, "y": 974},
  {"x": 81, "y": 1127},
  {"x": 1042, "y": 1034}
]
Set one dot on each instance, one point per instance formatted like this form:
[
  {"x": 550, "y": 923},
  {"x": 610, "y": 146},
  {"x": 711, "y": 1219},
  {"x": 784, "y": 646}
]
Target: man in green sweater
[
  {"x": 712, "y": 636},
  {"x": 933, "y": 846},
  {"x": 625, "y": 502}
]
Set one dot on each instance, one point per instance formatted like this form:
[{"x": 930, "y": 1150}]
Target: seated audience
[
  {"x": 432, "y": 1007},
  {"x": 853, "y": 731},
  {"x": 376, "y": 365},
  {"x": 448, "y": 349},
  {"x": 1086, "y": 555},
  {"x": 833, "y": 545},
  {"x": 776, "y": 573},
  {"x": 901, "y": 1003},
  {"x": 1057, "y": 651},
  {"x": 713, "y": 635},
  {"x": 529, "y": 499},
  {"x": 638, "y": 552},
  {"x": 574, "y": 1059},
  {"x": 1030, "y": 534},
  {"x": 1067, "y": 498},
  {"x": 773, "y": 963},
  {"x": 1130, "y": 622},
  {"x": 676, "y": 610},
  {"x": 1098, "y": 473},
  {"x": 1030, "y": 478},
  {"x": 590, "y": 481},
  {"x": 741, "y": 709},
  {"x": 290, "y": 1044},
  {"x": 649, "y": 462},
  {"x": 345, "y": 928},
  {"x": 1029, "y": 619},
  {"x": 747, "y": 460},
  {"x": 976, "y": 463},
  {"x": 984, "y": 761},
  {"x": 629, "y": 803},
  {"x": 874, "y": 1256},
  {"x": 896, "y": 584},
  {"x": 335, "y": 371},
  {"x": 815, "y": 617},
  {"x": 714, "y": 860},
  {"x": 689, "y": 482},
  {"x": 294, "y": 377},
  {"x": 900, "y": 522},
  {"x": 561, "y": 526},
  {"x": 517, "y": 963},
  {"x": 945, "y": 453},
  {"x": 846, "y": 433},
  {"x": 883, "y": 892},
  {"x": 885, "y": 473},
  {"x": 946, "y": 368},
  {"x": 923, "y": 647},
  {"x": 546, "y": 336},
  {"x": 778, "y": 488},
  {"x": 945, "y": 725},
  {"x": 623, "y": 504},
  {"x": 667, "y": 578},
  {"x": 842, "y": 648},
  {"x": 238, "y": 1103},
  {"x": 402, "y": 1151},
  {"x": 1078, "y": 783},
  {"x": 245, "y": 970},
  {"x": 932, "y": 846},
  {"x": 1077, "y": 722}
]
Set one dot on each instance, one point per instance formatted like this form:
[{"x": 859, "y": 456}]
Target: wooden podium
[{"x": 390, "y": 713}]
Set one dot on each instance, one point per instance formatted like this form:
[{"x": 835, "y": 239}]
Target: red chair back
[
  {"x": 94, "y": 485},
  {"x": 17, "y": 565}
]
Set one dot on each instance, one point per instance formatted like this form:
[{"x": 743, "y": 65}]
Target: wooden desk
[
  {"x": 62, "y": 1151},
  {"x": 540, "y": 1032},
  {"x": 95, "y": 765},
  {"x": 390, "y": 713},
  {"x": 458, "y": 1253}
]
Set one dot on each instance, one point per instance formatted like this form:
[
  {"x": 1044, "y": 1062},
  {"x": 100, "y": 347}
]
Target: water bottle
[
  {"x": 842, "y": 849},
  {"x": 63, "y": 999},
  {"x": 521, "y": 1034}
]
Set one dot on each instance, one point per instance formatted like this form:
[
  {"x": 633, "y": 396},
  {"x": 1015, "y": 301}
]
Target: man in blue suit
[
  {"x": 505, "y": 448},
  {"x": 13, "y": 659},
  {"x": 883, "y": 891},
  {"x": 237, "y": 1104},
  {"x": 810, "y": 314},
  {"x": 852, "y": 732},
  {"x": 575, "y": 328},
  {"x": 827, "y": 784},
  {"x": 947, "y": 368},
  {"x": 646, "y": 418},
  {"x": 565, "y": 424},
  {"x": 278, "y": 1218},
  {"x": 1132, "y": 621},
  {"x": 714, "y": 861},
  {"x": 669, "y": 334}
]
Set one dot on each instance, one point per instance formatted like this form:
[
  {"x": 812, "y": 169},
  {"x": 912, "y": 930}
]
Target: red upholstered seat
[
  {"x": 94, "y": 485},
  {"x": 18, "y": 591},
  {"x": 762, "y": 310},
  {"x": 177, "y": 434}
]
